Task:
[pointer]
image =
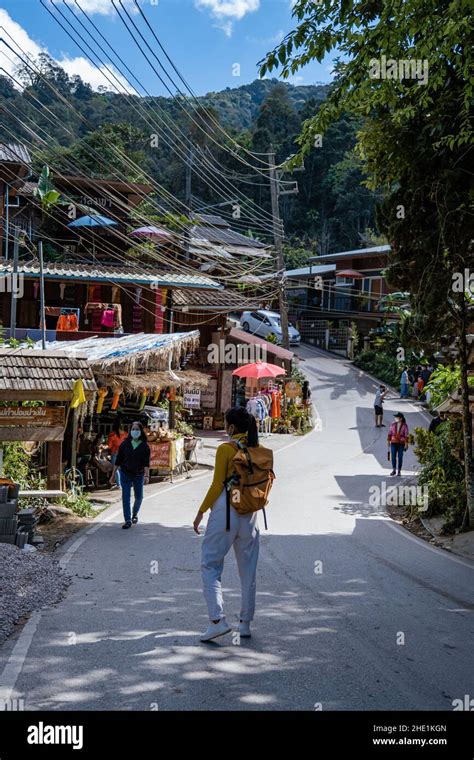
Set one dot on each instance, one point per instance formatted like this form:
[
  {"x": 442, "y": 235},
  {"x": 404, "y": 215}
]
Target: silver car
[{"x": 267, "y": 324}]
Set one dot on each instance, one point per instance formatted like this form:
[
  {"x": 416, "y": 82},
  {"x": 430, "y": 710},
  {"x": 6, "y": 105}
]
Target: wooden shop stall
[
  {"x": 36, "y": 390},
  {"x": 141, "y": 377}
]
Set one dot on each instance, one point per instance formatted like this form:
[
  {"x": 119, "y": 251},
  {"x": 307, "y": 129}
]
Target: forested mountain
[{"x": 75, "y": 129}]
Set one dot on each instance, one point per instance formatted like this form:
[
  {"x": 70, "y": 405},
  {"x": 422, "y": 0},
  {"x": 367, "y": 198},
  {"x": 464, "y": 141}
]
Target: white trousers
[{"x": 244, "y": 537}]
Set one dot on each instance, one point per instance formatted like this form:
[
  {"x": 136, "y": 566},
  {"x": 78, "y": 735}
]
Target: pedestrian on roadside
[
  {"x": 243, "y": 535},
  {"x": 404, "y": 383},
  {"x": 426, "y": 374},
  {"x": 306, "y": 394},
  {"x": 114, "y": 440},
  {"x": 398, "y": 441},
  {"x": 378, "y": 408},
  {"x": 435, "y": 423},
  {"x": 133, "y": 461}
]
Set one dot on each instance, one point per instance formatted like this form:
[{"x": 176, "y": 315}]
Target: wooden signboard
[
  {"x": 39, "y": 423},
  {"x": 293, "y": 389},
  {"x": 160, "y": 455}
]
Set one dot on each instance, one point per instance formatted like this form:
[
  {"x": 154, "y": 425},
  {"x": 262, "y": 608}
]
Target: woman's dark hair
[
  {"x": 142, "y": 431},
  {"x": 402, "y": 417},
  {"x": 244, "y": 422}
]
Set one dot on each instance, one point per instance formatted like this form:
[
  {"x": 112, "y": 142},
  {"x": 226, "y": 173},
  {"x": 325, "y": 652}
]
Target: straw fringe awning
[
  {"x": 152, "y": 381},
  {"x": 150, "y": 360}
]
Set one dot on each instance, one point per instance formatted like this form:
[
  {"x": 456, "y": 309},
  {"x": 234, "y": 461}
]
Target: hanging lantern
[
  {"x": 115, "y": 401},
  {"x": 102, "y": 393}
]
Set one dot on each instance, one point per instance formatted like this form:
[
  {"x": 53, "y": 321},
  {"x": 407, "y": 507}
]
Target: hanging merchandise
[
  {"x": 172, "y": 394},
  {"x": 35, "y": 290},
  {"x": 68, "y": 320},
  {"x": 115, "y": 401},
  {"x": 156, "y": 396},
  {"x": 62, "y": 288},
  {"x": 158, "y": 311},
  {"x": 100, "y": 401},
  {"x": 108, "y": 318},
  {"x": 143, "y": 399}
]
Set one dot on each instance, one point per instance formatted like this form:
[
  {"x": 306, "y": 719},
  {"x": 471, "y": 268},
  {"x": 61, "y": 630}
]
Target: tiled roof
[
  {"x": 29, "y": 370},
  {"x": 14, "y": 153},
  {"x": 217, "y": 300},
  {"x": 111, "y": 274}
]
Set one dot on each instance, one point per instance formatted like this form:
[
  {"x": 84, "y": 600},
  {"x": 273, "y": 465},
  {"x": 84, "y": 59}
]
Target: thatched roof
[
  {"x": 153, "y": 381},
  {"x": 133, "y": 354}
]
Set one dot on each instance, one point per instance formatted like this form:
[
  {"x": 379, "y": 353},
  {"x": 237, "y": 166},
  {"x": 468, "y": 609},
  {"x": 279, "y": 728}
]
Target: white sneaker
[
  {"x": 216, "y": 629},
  {"x": 244, "y": 630}
]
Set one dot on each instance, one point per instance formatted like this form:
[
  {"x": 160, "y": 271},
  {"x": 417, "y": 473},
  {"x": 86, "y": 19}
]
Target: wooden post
[
  {"x": 55, "y": 450},
  {"x": 74, "y": 438}
]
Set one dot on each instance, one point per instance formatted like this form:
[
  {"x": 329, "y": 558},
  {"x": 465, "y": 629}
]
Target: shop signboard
[
  {"x": 226, "y": 393},
  {"x": 160, "y": 455},
  {"x": 293, "y": 389},
  {"x": 27, "y": 423},
  {"x": 209, "y": 395},
  {"x": 192, "y": 398}
]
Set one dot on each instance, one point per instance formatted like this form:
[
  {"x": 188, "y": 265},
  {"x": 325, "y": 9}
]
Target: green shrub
[
  {"x": 440, "y": 457},
  {"x": 383, "y": 366}
]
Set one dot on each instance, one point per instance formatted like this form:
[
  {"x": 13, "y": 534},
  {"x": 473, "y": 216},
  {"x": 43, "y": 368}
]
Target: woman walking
[
  {"x": 243, "y": 534},
  {"x": 398, "y": 441},
  {"x": 116, "y": 437},
  {"x": 133, "y": 461}
]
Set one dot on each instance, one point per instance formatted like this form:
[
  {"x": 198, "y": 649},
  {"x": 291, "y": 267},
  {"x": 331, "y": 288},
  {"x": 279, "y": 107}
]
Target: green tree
[{"x": 414, "y": 141}]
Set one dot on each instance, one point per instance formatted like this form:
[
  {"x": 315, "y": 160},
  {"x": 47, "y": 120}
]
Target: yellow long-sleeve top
[{"x": 223, "y": 469}]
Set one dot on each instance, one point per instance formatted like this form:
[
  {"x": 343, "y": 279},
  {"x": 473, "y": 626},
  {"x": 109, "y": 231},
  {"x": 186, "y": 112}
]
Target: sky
[{"x": 214, "y": 43}]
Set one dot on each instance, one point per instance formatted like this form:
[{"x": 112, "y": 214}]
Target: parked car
[{"x": 267, "y": 323}]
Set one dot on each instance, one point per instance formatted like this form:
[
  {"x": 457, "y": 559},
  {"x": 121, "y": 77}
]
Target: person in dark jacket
[{"x": 133, "y": 460}]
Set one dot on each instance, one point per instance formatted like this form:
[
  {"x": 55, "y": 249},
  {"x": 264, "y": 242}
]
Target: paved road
[{"x": 126, "y": 638}]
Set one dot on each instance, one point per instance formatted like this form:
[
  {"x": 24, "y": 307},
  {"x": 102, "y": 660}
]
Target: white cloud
[
  {"x": 226, "y": 12},
  {"x": 101, "y": 7},
  {"x": 24, "y": 45},
  {"x": 273, "y": 39}
]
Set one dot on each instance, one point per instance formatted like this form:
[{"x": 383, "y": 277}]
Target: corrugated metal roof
[
  {"x": 101, "y": 273},
  {"x": 218, "y": 300},
  {"x": 244, "y": 337},
  {"x": 358, "y": 252},
  {"x": 224, "y": 235},
  {"x": 14, "y": 153},
  {"x": 212, "y": 219},
  {"x": 31, "y": 370}
]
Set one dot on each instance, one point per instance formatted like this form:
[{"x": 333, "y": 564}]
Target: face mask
[{"x": 135, "y": 434}]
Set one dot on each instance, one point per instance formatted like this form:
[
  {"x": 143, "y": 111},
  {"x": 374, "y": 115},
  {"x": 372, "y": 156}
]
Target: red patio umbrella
[{"x": 259, "y": 370}]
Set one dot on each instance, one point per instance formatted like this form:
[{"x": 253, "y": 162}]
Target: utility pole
[
  {"x": 42, "y": 314},
  {"x": 16, "y": 245},
  {"x": 278, "y": 238}
]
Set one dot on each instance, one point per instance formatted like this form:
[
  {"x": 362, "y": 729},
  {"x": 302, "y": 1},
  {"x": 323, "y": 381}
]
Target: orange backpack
[{"x": 248, "y": 489}]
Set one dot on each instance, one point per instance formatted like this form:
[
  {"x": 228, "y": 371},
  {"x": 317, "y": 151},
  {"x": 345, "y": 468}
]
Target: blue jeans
[
  {"x": 397, "y": 450},
  {"x": 117, "y": 472},
  {"x": 403, "y": 390},
  {"x": 127, "y": 482}
]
